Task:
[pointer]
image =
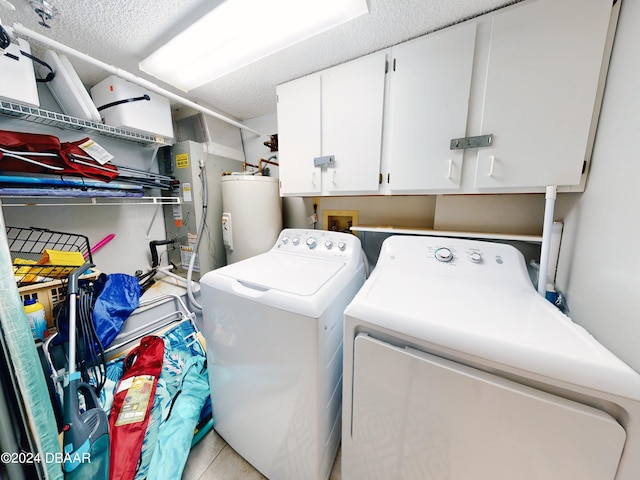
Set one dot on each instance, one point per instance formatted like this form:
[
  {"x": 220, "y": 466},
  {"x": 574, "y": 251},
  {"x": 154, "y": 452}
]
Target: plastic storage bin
[
  {"x": 49, "y": 294},
  {"x": 18, "y": 80},
  {"x": 127, "y": 105}
]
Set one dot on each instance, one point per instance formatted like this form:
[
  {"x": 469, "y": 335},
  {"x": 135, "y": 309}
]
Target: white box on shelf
[
  {"x": 127, "y": 105},
  {"x": 18, "y": 80},
  {"x": 67, "y": 88}
]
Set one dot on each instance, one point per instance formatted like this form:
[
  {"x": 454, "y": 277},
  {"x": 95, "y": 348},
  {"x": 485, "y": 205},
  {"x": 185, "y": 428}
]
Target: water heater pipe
[
  {"x": 547, "y": 228},
  {"x": 22, "y": 30}
]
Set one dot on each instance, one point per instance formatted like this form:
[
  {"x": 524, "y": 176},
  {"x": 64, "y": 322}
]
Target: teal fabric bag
[
  {"x": 176, "y": 433},
  {"x": 181, "y": 347}
]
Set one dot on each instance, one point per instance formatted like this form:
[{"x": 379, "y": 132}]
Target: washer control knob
[
  {"x": 285, "y": 239},
  {"x": 475, "y": 257},
  {"x": 295, "y": 241},
  {"x": 342, "y": 246},
  {"x": 328, "y": 244},
  {"x": 312, "y": 242},
  {"x": 443, "y": 254}
]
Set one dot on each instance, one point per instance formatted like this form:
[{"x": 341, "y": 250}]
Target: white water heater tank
[{"x": 252, "y": 215}]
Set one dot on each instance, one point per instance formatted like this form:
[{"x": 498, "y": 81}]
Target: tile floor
[{"x": 213, "y": 459}]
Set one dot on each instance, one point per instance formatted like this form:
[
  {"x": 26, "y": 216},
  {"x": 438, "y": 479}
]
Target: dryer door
[{"x": 417, "y": 416}]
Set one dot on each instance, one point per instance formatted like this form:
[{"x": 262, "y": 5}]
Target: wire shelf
[
  {"x": 39, "y": 201},
  {"x": 30, "y": 248},
  {"x": 60, "y": 120}
]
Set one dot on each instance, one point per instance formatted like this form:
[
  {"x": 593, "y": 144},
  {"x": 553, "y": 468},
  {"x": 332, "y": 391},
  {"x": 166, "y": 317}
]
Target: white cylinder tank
[{"x": 251, "y": 215}]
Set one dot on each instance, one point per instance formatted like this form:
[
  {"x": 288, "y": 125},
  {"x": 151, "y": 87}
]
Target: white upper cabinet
[
  {"x": 542, "y": 80},
  {"x": 428, "y": 105},
  {"x": 299, "y": 136},
  {"x": 352, "y": 113},
  {"x": 528, "y": 76},
  {"x": 332, "y": 118}
]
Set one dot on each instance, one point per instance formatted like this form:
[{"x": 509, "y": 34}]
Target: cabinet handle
[
  {"x": 449, "y": 171},
  {"x": 333, "y": 176},
  {"x": 492, "y": 165},
  {"x": 313, "y": 178}
]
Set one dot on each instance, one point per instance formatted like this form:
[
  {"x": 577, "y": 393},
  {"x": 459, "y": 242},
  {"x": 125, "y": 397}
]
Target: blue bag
[{"x": 119, "y": 297}]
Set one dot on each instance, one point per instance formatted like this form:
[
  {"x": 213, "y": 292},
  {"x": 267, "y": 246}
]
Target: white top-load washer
[
  {"x": 455, "y": 368},
  {"x": 274, "y": 330}
]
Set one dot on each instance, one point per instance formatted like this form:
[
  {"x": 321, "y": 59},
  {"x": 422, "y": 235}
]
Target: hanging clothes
[
  {"x": 176, "y": 433},
  {"x": 131, "y": 406}
]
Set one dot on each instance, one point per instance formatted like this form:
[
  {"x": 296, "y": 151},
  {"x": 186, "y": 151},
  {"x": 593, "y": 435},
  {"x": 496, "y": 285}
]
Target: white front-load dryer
[
  {"x": 455, "y": 368},
  {"x": 273, "y": 324}
]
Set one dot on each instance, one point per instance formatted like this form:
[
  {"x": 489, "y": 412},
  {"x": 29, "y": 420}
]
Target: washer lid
[{"x": 293, "y": 274}]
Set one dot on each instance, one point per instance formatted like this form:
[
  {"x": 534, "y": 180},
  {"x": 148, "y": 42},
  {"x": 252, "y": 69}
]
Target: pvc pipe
[
  {"x": 21, "y": 29},
  {"x": 167, "y": 271},
  {"x": 547, "y": 230},
  {"x": 8, "y": 5}
]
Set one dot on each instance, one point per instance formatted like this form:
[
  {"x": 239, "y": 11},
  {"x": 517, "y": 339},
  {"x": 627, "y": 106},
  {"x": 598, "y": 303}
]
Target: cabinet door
[
  {"x": 542, "y": 82},
  {"x": 299, "y": 136},
  {"x": 429, "y": 99},
  {"x": 352, "y": 108}
]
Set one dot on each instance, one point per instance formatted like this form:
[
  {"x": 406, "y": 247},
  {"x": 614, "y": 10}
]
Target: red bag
[
  {"x": 131, "y": 406},
  {"x": 39, "y": 153}
]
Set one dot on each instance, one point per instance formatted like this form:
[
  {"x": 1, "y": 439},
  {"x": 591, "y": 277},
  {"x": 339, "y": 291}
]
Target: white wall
[
  {"x": 599, "y": 266},
  {"x": 254, "y": 148},
  {"x": 126, "y": 253}
]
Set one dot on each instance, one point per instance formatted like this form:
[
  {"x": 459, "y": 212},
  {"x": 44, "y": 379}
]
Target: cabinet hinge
[{"x": 471, "y": 142}]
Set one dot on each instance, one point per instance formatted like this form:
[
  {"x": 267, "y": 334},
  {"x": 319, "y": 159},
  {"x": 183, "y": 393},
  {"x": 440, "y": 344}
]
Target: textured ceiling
[{"x": 122, "y": 32}]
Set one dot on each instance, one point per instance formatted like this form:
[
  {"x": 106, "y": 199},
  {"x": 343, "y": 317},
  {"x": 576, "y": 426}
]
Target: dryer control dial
[
  {"x": 475, "y": 257},
  {"x": 443, "y": 254},
  {"x": 296, "y": 240},
  {"x": 342, "y": 246},
  {"x": 328, "y": 244},
  {"x": 312, "y": 242}
]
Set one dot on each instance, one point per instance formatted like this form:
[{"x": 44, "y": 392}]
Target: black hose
[
  {"x": 5, "y": 40},
  {"x": 155, "y": 262}
]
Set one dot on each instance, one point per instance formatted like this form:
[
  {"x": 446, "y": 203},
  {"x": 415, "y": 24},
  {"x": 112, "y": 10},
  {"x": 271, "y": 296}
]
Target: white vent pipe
[
  {"x": 22, "y": 30},
  {"x": 547, "y": 229}
]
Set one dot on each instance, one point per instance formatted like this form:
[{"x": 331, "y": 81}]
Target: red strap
[
  {"x": 30, "y": 142},
  {"x": 131, "y": 406}
]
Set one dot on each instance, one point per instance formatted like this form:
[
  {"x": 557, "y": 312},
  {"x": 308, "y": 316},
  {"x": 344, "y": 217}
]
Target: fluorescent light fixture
[{"x": 240, "y": 32}]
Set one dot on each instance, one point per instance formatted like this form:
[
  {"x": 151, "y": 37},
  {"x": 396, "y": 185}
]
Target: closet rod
[{"x": 22, "y": 30}]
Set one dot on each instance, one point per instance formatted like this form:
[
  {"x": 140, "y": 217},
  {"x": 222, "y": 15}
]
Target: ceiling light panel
[{"x": 240, "y": 32}]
